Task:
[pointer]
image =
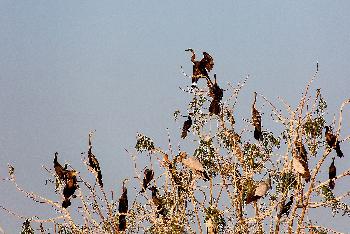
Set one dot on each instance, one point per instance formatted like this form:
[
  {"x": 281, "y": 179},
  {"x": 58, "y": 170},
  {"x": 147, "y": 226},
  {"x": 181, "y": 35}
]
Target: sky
[{"x": 67, "y": 67}]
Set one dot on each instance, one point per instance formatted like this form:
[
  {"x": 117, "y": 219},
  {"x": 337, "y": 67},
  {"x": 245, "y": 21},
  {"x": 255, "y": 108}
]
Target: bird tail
[
  {"x": 331, "y": 184},
  {"x": 66, "y": 202},
  {"x": 184, "y": 134},
  {"x": 99, "y": 178},
  {"x": 206, "y": 176},
  {"x": 258, "y": 134},
  {"x": 214, "y": 107},
  {"x": 122, "y": 222},
  {"x": 338, "y": 150}
]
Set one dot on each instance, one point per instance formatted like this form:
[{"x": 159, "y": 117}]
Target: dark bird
[
  {"x": 332, "y": 172},
  {"x": 214, "y": 90},
  {"x": 123, "y": 208},
  {"x": 215, "y": 107},
  {"x": 60, "y": 171},
  {"x": 93, "y": 163},
  {"x": 70, "y": 187},
  {"x": 157, "y": 202},
  {"x": 286, "y": 207},
  {"x": 186, "y": 127},
  {"x": 333, "y": 142},
  {"x": 301, "y": 150},
  {"x": 260, "y": 191},
  {"x": 202, "y": 67},
  {"x": 256, "y": 117},
  {"x": 149, "y": 174}
]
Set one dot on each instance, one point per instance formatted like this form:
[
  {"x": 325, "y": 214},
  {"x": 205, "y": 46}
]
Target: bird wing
[
  {"x": 261, "y": 189},
  {"x": 193, "y": 164}
]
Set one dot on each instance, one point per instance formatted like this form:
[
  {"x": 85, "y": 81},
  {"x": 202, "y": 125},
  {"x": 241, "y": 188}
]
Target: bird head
[{"x": 327, "y": 128}]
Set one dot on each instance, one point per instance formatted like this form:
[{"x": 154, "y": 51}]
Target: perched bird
[
  {"x": 332, "y": 172},
  {"x": 194, "y": 165},
  {"x": 70, "y": 187},
  {"x": 60, "y": 171},
  {"x": 93, "y": 163},
  {"x": 202, "y": 67},
  {"x": 259, "y": 191},
  {"x": 149, "y": 174},
  {"x": 333, "y": 142},
  {"x": 123, "y": 208},
  {"x": 286, "y": 207},
  {"x": 157, "y": 202},
  {"x": 214, "y": 107},
  {"x": 256, "y": 117},
  {"x": 300, "y": 163},
  {"x": 214, "y": 90},
  {"x": 186, "y": 127}
]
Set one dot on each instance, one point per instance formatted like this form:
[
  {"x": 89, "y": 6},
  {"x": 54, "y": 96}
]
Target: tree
[{"x": 239, "y": 178}]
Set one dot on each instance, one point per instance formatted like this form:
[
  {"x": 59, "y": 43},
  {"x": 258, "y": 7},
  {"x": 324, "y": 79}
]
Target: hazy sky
[{"x": 67, "y": 67}]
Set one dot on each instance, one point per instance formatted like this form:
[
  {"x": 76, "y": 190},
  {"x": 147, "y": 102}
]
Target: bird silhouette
[
  {"x": 332, "y": 172},
  {"x": 186, "y": 127},
  {"x": 149, "y": 174},
  {"x": 123, "y": 208},
  {"x": 202, "y": 67},
  {"x": 256, "y": 117},
  {"x": 70, "y": 187},
  {"x": 93, "y": 162},
  {"x": 157, "y": 201},
  {"x": 300, "y": 163},
  {"x": 286, "y": 207},
  {"x": 60, "y": 171},
  {"x": 333, "y": 142}
]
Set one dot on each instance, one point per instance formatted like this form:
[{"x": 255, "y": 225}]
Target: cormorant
[
  {"x": 260, "y": 191},
  {"x": 157, "y": 201},
  {"x": 332, "y": 172},
  {"x": 93, "y": 163},
  {"x": 286, "y": 207},
  {"x": 186, "y": 127},
  {"x": 149, "y": 174},
  {"x": 193, "y": 164},
  {"x": 60, "y": 171},
  {"x": 256, "y": 117},
  {"x": 123, "y": 208},
  {"x": 333, "y": 142},
  {"x": 202, "y": 67},
  {"x": 70, "y": 187}
]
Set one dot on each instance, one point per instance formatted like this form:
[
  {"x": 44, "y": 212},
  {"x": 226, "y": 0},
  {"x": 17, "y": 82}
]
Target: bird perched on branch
[
  {"x": 202, "y": 67},
  {"x": 256, "y": 117},
  {"x": 60, "y": 171},
  {"x": 123, "y": 208},
  {"x": 193, "y": 164},
  {"x": 332, "y": 172},
  {"x": 149, "y": 174},
  {"x": 333, "y": 142},
  {"x": 186, "y": 127},
  {"x": 214, "y": 90},
  {"x": 286, "y": 207},
  {"x": 157, "y": 202},
  {"x": 215, "y": 107},
  {"x": 300, "y": 163},
  {"x": 93, "y": 163},
  {"x": 259, "y": 191},
  {"x": 70, "y": 187}
]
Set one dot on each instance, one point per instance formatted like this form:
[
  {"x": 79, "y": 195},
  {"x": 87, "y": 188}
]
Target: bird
[
  {"x": 123, "y": 208},
  {"x": 202, "y": 67},
  {"x": 259, "y": 191},
  {"x": 157, "y": 202},
  {"x": 301, "y": 167},
  {"x": 93, "y": 162},
  {"x": 70, "y": 187},
  {"x": 194, "y": 164},
  {"x": 286, "y": 207},
  {"x": 149, "y": 174},
  {"x": 332, "y": 172},
  {"x": 215, "y": 91},
  {"x": 214, "y": 107},
  {"x": 300, "y": 163},
  {"x": 60, "y": 171},
  {"x": 333, "y": 142},
  {"x": 186, "y": 127},
  {"x": 256, "y": 117}
]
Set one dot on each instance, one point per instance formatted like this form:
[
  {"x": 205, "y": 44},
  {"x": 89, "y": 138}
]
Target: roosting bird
[
  {"x": 202, "y": 67},
  {"x": 300, "y": 163},
  {"x": 256, "y": 117},
  {"x": 70, "y": 187},
  {"x": 332, "y": 172},
  {"x": 149, "y": 174},
  {"x": 157, "y": 202},
  {"x": 286, "y": 207},
  {"x": 186, "y": 127},
  {"x": 123, "y": 208},
  {"x": 93, "y": 163},
  {"x": 215, "y": 91},
  {"x": 193, "y": 164},
  {"x": 260, "y": 191},
  {"x": 60, "y": 171},
  {"x": 215, "y": 107},
  {"x": 333, "y": 142}
]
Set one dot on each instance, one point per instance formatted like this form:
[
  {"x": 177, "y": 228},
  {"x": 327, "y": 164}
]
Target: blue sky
[{"x": 68, "y": 67}]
